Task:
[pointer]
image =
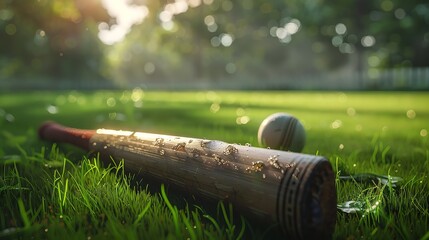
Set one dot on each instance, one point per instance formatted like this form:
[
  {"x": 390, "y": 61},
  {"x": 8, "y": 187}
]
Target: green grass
[{"x": 50, "y": 190}]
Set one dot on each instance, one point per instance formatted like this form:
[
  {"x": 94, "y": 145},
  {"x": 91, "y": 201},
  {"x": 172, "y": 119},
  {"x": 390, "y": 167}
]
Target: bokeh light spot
[
  {"x": 340, "y": 28},
  {"x": 293, "y": 26},
  {"x": 52, "y": 109},
  {"x": 227, "y": 5},
  {"x": 71, "y": 98},
  {"x": 240, "y": 112},
  {"x": 411, "y": 114},
  {"x": 400, "y": 13},
  {"x": 214, "y": 108},
  {"x": 165, "y": 16},
  {"x": 337, "y": 41},
  {"x": 387, "y": 5},
  {"x": 215, "y": 41},
  {"x": 374, "y": 61},
  {"x": 209, "y": 20},
  {"x": 149, "y": 68},
  {"x": 368, "y": 41},
  {"x": 137, "y": 94},
  {"x": 226, "y": 39},
  {"x": 351, "y": 111},
  {"x": 347, "y": 48},
  {"x": 336, "y": 124},
  {"x": 111, "y": 102},
  {"x": 242, "y": 120}
]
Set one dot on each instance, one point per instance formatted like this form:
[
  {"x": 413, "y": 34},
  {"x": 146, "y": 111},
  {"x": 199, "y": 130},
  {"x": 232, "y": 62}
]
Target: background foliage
[{"x": 211, "y": 40}]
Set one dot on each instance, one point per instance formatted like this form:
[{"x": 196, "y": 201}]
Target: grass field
[{"x": 49, "y": 190}]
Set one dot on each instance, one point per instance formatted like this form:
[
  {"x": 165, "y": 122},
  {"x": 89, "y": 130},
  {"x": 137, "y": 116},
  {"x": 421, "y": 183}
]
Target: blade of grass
[
  {"x": 142, "y": 213},
  {"x": 173, "y": 210},
  {"x": 23, "y": 213}
]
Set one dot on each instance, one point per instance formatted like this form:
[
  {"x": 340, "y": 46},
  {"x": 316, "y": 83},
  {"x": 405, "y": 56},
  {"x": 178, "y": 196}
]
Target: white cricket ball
[{"x": 282, "y": 131}]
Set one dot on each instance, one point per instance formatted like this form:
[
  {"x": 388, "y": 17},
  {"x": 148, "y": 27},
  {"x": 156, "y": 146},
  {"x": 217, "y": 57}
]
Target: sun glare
[{"x": 126, "y": 15}]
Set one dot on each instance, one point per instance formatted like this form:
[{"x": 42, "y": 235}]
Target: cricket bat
[{"x": 292, "y": 190}]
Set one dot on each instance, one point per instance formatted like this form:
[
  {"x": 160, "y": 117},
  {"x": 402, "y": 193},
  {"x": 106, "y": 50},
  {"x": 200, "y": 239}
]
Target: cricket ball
[{"x": 282, "y": 131}]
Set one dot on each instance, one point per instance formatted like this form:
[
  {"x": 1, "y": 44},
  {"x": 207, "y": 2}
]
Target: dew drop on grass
[{"x": 352, "y": 206}]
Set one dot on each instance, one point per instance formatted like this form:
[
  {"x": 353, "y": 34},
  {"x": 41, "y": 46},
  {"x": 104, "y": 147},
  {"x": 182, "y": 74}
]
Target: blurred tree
[
  {"x": 52, "y": 39},
  {"x": 393, "y": 31},
  {"x": 213, "y": 39}
]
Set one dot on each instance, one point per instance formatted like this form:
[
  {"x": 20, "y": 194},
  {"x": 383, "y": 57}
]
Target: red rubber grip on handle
[{"x": 57, "y": 133}]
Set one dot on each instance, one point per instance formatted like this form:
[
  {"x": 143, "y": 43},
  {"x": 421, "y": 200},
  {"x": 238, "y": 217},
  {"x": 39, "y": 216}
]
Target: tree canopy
[{"x": 209, "y": 40}]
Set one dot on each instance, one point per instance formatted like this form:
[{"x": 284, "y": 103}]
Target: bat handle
[{"x": 52, "y": 131}]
